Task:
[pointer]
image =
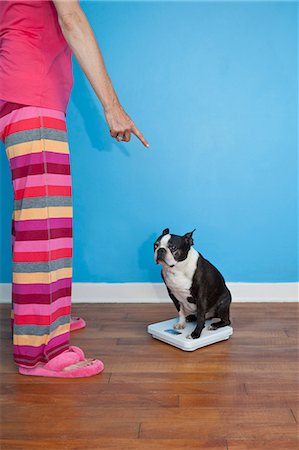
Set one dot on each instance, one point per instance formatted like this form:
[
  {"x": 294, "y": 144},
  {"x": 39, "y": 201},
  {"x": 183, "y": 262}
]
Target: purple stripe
[
  {"x": 42, "y": 224},
  {"x": 38, "y": 158},
  {"x": 41, "y": 288},
  {"x": 7, "y": 107},
  {"x": 29, "y": 352},
  {"x": 41, "y": 299}
]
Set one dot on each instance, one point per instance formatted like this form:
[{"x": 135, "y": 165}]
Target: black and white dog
[{"x": 195, "y": 286}]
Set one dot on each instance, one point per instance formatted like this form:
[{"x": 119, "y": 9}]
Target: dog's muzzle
[{"x": 161, "y": 253}]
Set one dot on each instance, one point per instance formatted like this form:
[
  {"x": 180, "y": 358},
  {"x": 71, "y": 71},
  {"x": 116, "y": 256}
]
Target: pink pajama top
[{"x": 35, "y": 59}]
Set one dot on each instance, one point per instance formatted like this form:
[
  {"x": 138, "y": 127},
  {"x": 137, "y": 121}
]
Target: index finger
[{"x": 140, "y": 136}]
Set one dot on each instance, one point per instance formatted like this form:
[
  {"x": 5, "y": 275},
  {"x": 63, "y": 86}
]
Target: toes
[
  {"x": 86, "y": 362},
  {"x": 179, "y": 326},
  {"x": 195, "y": 335},
  {"x": 192, "y": 336},
  {"x": 91, "y": 362}
]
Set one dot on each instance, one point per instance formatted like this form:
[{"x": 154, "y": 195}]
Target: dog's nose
[{"x": 161, "y": 253}]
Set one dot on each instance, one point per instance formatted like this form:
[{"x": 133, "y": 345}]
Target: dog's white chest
[
  {"x": 180, "y": 285},
  {"x": 179, "y": 280}
]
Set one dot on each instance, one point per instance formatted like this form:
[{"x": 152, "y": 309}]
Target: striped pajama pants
[{"x": 36, "y": 145}]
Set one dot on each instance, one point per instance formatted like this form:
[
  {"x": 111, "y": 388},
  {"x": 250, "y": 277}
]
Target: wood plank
[
  {"x": 229, "y": 429},
  {"x": 114, "y": 444},
  {"x": 266, "y": 400},
  {"x": 85, "y": 398},
  {"x": 226, "y": 387},
  {"x": 69, "y": 428},
  {"x": 142, "y": 365},
  {"x": 97, "y": 410},
  {"x": 18, "y": 380},
  {"x": 236, "y": 444},
  {"x": 203, "y": 377}
]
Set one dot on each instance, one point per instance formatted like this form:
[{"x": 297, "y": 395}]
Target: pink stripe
[
  {"x": 41, "y": 310},
  {"x": 42, "y": 224},
  {"x": 42, "y": 246},
  {"x": 29, "y": 112},
  {"x": 39, "y": 180}
]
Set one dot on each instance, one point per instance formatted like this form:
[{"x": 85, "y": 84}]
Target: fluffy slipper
[
  {"x": 77, "y": 323},
  {"x": 75, "y": 349},
  {"x": 69, "y": 364}
]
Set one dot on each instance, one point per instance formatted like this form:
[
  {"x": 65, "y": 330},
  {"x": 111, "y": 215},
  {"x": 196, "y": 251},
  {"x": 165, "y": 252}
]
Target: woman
[{"x": 37, "y": 42}]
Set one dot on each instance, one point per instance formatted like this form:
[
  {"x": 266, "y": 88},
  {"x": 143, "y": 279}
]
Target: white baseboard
[{"x": 157, "y": 293}]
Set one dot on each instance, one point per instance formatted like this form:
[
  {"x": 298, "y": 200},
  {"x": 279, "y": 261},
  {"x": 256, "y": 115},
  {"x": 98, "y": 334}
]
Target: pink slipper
[
  {"x": 77, "y": 323},
  {"x": 61, "y": 366}
]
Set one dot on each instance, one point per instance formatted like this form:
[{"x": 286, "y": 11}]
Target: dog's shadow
[{"x": 146, "y": 260}]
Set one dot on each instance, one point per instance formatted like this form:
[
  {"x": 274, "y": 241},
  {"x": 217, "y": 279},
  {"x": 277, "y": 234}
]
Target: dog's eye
[
  {"x": 156, "y": 245},
  {"x": 172, "y": 248}
]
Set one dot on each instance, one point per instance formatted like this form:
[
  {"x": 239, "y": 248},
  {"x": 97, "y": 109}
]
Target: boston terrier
[{"x": 195, "y": 286}]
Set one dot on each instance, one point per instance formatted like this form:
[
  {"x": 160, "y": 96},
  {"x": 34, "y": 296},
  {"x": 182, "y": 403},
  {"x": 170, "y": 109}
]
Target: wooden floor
[{"x": 238, "y": 394}]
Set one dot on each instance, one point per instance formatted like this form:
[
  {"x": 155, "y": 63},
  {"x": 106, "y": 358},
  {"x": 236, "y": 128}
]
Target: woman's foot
[
  {"x": 77, "y": 323},
  {"x": 69, "y": 364}
]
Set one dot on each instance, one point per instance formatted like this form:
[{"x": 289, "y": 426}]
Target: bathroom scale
[{"x": 165, "y": 332}]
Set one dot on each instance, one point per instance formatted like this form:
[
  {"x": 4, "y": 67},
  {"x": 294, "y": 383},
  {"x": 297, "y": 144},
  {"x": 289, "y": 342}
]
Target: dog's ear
[
  {"x": 188, "y": 237},
  {"x": 166, "y": 231}
]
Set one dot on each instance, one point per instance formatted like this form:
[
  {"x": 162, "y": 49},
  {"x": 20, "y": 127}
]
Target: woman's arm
[{"x": 81, "y": 39}]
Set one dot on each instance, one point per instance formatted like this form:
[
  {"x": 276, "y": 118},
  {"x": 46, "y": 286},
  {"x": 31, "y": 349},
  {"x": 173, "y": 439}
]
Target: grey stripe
[
  {"x": 42, "y": 202},
  {"x": 31, "y": 267},
  {"x": 40, "y": 330},
  {"x": 33, "y": 135}
]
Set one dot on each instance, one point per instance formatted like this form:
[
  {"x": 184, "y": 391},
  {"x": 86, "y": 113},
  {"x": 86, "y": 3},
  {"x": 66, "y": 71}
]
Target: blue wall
[{"x": 213, "y": 86}]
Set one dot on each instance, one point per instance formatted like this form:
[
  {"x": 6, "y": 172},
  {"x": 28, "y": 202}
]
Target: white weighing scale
[{"x": 165, "y": 332}]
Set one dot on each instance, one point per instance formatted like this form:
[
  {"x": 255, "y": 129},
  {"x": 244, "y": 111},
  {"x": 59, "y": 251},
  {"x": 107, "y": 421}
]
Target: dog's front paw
[
  {"x": 179, "y": 326},
  {"x": 193, "y": 335}
]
